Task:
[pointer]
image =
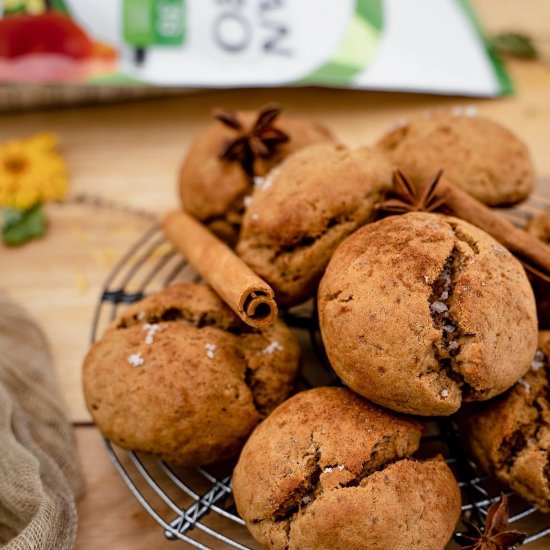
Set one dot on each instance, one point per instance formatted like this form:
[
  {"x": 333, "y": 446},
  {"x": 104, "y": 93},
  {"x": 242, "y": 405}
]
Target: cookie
[
  {"x": 422, "y": 311},
  {"x": 304, "y": 208},
  {"x": 510, "y": 436},
  {"x": 330, "y": 470},
  {"x": 213, "y": 190},
  {"x": 484, "y": 158},
  {"x": 179, "y": 376}
]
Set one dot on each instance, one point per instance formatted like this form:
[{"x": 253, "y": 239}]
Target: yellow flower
[
  {"x": 31, "y": 171},
  {"x": 10, "y": 5},
  {"x": 28, "y": 6}
]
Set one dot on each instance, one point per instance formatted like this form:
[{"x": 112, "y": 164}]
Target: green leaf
[
  {"x": 514, "y": 44},
  {"x": 21, "y": 226},
  {"x": 59, "y": 5}
]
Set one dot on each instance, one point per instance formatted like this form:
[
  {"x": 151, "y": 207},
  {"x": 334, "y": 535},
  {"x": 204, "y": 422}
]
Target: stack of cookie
[{"x": 419, "y": 313}]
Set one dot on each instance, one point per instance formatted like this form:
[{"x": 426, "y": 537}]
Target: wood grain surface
[{"x": 125, "y": 158}]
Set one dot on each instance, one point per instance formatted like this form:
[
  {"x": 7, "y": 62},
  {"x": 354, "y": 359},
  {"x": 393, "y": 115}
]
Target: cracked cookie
[
  {"x": 484, "y": 158},
  {"x": 213, "y": 190},
  {"x": 510, "y": 436},
  {"x": 180, "y": 376},
  {"x": 329, "y": 470},
  {"x": 304, "y": 208},
  {"x": 422, "y": 311}
]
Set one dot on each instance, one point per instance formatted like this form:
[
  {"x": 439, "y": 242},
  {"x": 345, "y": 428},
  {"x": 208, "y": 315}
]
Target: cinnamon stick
[
  {"x": 251, "y": 298},
  {"x": 533, "y": 253}
]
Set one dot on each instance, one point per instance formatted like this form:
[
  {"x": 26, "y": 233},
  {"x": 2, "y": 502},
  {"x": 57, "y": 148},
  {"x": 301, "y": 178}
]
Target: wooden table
[{"x": 127, "y": 157}]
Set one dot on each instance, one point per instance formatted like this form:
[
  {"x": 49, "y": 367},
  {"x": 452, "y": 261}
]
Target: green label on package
[{"x": 153, "y": 22}]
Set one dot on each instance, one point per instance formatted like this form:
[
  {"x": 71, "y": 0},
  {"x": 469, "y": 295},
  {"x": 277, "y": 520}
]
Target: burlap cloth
[{"x": 39, "y": 472}]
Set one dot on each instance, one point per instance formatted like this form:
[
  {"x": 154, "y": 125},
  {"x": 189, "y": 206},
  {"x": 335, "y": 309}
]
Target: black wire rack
[{"x": 196, "y": 505}]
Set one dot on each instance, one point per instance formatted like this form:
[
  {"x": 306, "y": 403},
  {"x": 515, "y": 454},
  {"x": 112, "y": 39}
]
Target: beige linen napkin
[{"x": 39, "y": 473}]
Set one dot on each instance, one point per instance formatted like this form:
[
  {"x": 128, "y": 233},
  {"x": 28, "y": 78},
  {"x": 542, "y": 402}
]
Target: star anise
[
  {"x": 259, "y": 140},
  {"x": 496, "y": 535},
  {"x": 410, "y": 198}
]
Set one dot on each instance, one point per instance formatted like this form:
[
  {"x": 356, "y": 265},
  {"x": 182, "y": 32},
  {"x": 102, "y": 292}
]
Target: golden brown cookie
[
  {"x": 304, "y": 208},
  {"x": 510, "y": 436},
  {"x": 178, "y": 375},
  {"x": 479, "y": 155},
  {"x": 330, "y": 470},
  {"x": 422, "y": 311},
  {"x": 213, "y": 190}
]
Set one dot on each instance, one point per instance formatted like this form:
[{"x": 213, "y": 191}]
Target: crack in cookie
[
  {"x": 465, "y": 238},
  {"x": 307, "y": 240},
  {"x": 317, "y": 478},
  {"x": 306, "y": 491},
  {"x": 177, "y": 313},
  {"x": 447, "y": 350},
  {"x": 328, "y": 455}
]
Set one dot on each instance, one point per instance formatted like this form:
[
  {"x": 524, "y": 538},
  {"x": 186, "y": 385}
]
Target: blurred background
[{"x": 118, "y": 89}]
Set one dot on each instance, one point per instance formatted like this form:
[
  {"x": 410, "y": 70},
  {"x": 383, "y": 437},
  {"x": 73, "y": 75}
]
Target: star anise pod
[
  {"x": 496, "y": 535},
  {"x": 259, "y": 140},
  {"x": 409, "y": 198}
]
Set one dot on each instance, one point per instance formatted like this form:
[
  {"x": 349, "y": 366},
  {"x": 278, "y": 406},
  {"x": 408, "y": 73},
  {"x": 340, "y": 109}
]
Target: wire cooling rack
[{"x": 196, "y": 505}]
